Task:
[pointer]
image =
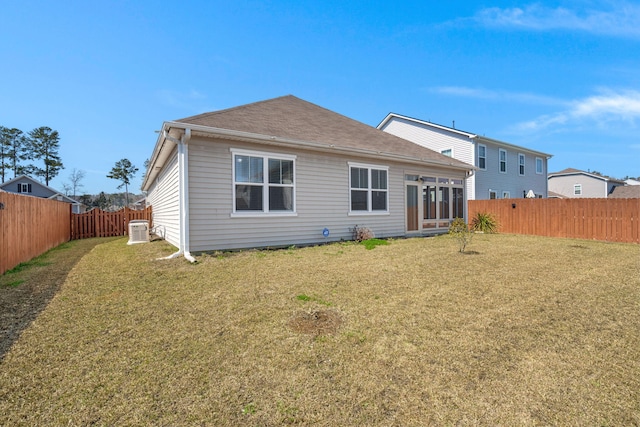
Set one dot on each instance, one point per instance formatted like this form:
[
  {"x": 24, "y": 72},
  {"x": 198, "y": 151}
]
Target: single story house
[
  {"x": 503, "y": 170},
  {"x": 286, "y": 172},
  {"x": 575, "y": 183},
  {"x": 28, "y": 186}
]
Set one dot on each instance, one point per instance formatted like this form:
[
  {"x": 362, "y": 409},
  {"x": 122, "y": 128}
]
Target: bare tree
[{"x": 74, "y": 179}]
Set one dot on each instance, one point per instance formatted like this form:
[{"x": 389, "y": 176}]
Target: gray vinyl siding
[
  {"x": 164, "y": 198},
  {"x": 321, "y": 194},
  {"x": 37, "y": 190},
  {"x": 591, "y": 187}
]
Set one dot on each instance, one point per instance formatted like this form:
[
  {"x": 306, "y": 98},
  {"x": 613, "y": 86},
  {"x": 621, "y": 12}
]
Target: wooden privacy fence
[
  {"x": 612, "y": 220},
  {"x": 98, "y": 223},
  {"x": 30, "y": 226}
]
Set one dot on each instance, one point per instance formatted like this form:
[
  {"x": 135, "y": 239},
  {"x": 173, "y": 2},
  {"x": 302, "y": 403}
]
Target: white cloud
[
  {"x": 621, "y": 19},
  {"x": 602, "y": 109},
  {"x": 498, "y": 95},
  {"x": 172, "y": 98}
]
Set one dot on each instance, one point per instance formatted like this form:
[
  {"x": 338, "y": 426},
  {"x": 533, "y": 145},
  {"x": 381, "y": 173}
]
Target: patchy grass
[
  {"x": 372, "y": 243},
  {"x": 528, "y": 331},
  {"x": 26, "y": 289}
]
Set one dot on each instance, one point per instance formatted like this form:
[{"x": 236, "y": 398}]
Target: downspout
[{"x": 183, "y": 205}]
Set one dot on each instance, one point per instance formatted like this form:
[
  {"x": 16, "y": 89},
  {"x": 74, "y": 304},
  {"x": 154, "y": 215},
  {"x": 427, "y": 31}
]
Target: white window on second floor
[
  {"x": 24, "y": 188},
  {"x": 539, "y": 166},
  {"x": 577, "y": 189},
  {"x": 521, "y": 162},
  {"x": 447, "y": 152},
  {"x": 482, "y": 156},
  {"x": 503, "y": 160}
]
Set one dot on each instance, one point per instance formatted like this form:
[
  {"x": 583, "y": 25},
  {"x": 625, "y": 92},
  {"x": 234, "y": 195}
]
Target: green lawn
[{"x": 521, "y": 331}]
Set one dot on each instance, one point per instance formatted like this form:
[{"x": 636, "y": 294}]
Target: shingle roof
[
  {"x": 625, "y": 192},
  {"x": 293, "y": 118},
  {"x": 572, "y": 171}
]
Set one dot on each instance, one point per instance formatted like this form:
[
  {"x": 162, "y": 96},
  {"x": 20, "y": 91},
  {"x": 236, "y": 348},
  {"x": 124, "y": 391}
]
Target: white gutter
[{"x": 183, "y": 191}]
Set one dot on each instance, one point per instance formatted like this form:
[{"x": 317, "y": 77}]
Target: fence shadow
[{"x": 26, "y": 293}]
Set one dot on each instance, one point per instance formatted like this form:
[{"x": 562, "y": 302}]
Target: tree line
[{"x": 40, "y": 145}]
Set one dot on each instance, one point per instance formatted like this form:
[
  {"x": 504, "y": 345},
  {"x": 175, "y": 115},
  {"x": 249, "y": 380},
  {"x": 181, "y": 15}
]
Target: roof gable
[
  {"x": 572, "y": 171},
  {"x": 295, "y": 119}
]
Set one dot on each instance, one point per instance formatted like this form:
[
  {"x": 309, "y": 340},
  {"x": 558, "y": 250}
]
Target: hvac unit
[{"x": 138, "y": 231}]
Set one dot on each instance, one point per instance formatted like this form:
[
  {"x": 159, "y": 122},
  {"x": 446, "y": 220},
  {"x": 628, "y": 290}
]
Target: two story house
[
  {"x": 575, "y": 183},
  {"x": 503, "y": 170}
]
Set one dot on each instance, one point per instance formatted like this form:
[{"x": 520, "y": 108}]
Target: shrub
[
  {"x": 461, "y": 232},
  {"x": 362, "y": 233},
  {"x": 484, "y": 222}
]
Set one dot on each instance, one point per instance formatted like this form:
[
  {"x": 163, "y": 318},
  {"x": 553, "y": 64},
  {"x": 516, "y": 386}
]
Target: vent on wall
[{"x": 138, "y": 231}]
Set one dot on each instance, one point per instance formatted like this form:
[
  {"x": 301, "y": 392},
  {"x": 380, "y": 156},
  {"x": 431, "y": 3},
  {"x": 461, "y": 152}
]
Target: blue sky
[{"x": 558, "y": 77}]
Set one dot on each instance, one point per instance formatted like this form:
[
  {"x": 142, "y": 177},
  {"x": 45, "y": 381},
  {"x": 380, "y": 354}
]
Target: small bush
[
  {"x": 461, "y": 232},
  {"x": 362, "y": 233},
  {"x": 484, "y": 222}
]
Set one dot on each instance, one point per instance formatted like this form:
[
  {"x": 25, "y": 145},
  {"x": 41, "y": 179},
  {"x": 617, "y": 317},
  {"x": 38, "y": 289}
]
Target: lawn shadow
[{"x": 26, "y": 290}]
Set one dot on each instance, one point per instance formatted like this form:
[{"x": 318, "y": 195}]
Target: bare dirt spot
[{"x": 316, "y": 322}]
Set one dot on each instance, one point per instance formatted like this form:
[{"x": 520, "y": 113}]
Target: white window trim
[
  {"x": 483, "y": 157},
  {"x": 579, "y": 188},
  {"x": 447, "y": 149},
  {"x": 541, "y": 162},
  {"x": 265, "y": 184},
  {"x": 495, "y": 194},
  {"x": 522, "y": 167},
  {"x": 506, "y": 168},
  {"x": 506, "y": 195},
  {"x": 369, "y": 190}
]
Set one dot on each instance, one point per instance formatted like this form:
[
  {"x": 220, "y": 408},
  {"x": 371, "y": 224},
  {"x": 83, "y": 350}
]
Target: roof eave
[{"x": 162, "y": 145}]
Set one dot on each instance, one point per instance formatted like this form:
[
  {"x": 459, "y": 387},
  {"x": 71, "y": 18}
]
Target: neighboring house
[
  {"x": 574, "y": 183},
  {"x": 503, "y": 170},
  {"x": 626, "y": 192},
  {"x": 631, "y": 181},
  {"x": 286, "y": 172},
  {"x": 28, "y": 186}
]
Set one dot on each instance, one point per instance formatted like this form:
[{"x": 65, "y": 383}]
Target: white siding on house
[
  {"x": 164, "y": 199},
  {"x": 437, "y": 140},
  {"x": 322, "y": 200}
]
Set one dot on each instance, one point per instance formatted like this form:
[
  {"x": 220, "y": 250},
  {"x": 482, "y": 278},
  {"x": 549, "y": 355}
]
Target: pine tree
[
  {"x": 123, "y": 171},
  {"x": 14, "y": 148},
  {"x": 44, "y": 144}
]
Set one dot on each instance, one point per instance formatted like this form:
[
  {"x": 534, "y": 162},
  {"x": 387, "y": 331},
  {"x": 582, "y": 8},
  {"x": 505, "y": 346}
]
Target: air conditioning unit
[{"x": 138, "y": 231}]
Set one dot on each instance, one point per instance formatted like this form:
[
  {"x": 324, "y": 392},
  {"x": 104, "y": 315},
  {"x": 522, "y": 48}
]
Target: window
[
  {"x": 539, "y": 164},
  {"x": 482, "y": 156},
  {"x": 368, "y": 188},
  {"x": 24, "y": 188},
  {"x": 492, "y": 195},
  {"x": 263, "y": 183},
  {"x": 503, "y": 161},
  {"x": 521, "y": 161},
  {"x": 577, "y": 189},
  {"x": 448, "y": 152},
  {"x": 506, "y": 195}
]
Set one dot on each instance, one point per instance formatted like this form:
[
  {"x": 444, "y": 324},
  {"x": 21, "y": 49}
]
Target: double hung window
[
  {"x": 263, "y": 182},
  {"x": 482, "y": 156},
  {"x": 521, "y": 163},
  {"x": 539, "y": 170},
  {"x": 503, "y": 160},
  {"x": 368, "y": 188}
]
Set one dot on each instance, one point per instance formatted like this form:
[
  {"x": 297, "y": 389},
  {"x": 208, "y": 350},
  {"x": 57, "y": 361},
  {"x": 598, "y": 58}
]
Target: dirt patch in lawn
[
  {"x": 27, "y": 289},
  {"x": 316, "y": 322}
]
